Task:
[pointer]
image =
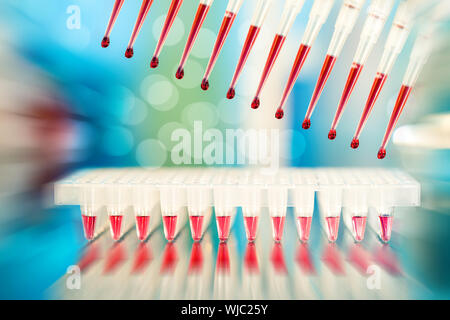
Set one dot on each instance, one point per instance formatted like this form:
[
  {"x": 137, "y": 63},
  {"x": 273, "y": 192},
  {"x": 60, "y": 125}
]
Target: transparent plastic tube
[
  {"x": 227, "y": 22},
  {"x": 345, "y": 22},
  {"x": 377, "y": 14},
  {"x": 291, "y": 9},
  {"x": 112, "y": 20},
  {"x": 145, "y": 7},
  {"x": 317, "y": 17},
  {"x": 262, "y": 8}
]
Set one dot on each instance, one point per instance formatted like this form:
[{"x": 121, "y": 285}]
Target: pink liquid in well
[
  {"x": 277, "y": 228},
  {"x": 377, "y": 85},
  {"x": 196, "y": 227},
  {"x": 115, "y": 12},
  {"x": 89, "y": 226},
  {"x": 332, "y": 228},
  {"x": 248, "y": 45},
  {"x": 115, "y": 223},
  {"x": 302, "y": 54},
  {"x": 251, "y": 227},
  {"x": 353, "y": 76},
  {"x": 251, "y": 258},
  {"x": 386, "y": 227},
  {"x": 359, "y": 227},
  {"x": 142, "y": 223},
  {"x": 145, "y": 7},
  {"x": 196, "y": 259},
  {"x": 227, "y": 22},
  {"x": 273, "y": 55},
  {"x": 200, "y": 16},
  {"x": 398, "y": 108},
  {"x": 223, "y": 258},
  {"x": 323, "y": 77},
  {"x": 170, "y": 227},
  {"x": 304, "y": 228},
  {"x": 223, "y": 227},
  {"x": 170, "y": 18}
]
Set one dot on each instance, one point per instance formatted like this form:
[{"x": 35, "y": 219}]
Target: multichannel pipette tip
[
  {"x": 116, "y": 226},
  {"x": 277, "y": 228},
  {"x": 231, "y": 93},
  {"x": 355, "y": 143},
  {"x": 170, "y": 226},
  {"x": 223, "y": 227},
  {"x": 279, "y": 113},
  {"x": 105, "y": 42},
  {"x": 381, "y": 153},
  {"x": 306, "y": 124},
  {"x": 255, "y": 103},
  {"x": 180, "y": 73},
  {"x": 386, "y": 227},
  {"x": 251, "y": 227},
  {"x": 196, "y": 223},
  {"x": 359, "y": 227},
  {"x": 332, "y": 134},
  {"x": 129, "y": 53},
  {"x": 115, "y": 12},
  {"x": 89, "y": 226},
  {"x": 145, "y": 7},
  {"x": 304, "y": 228},
  {"x": 154, "y": 63},
  {"x": 332, "y": 228},
  {"x": 142, "y": 227},
  {"x": 205, "y": 84}
]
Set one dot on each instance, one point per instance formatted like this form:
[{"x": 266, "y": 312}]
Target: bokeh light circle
[{"x": 152, "y": 153}]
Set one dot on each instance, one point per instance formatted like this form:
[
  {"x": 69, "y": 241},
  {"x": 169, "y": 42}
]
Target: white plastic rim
[
  {"x": 261, "y": 11},
  {"x": 234, "y": 6}
]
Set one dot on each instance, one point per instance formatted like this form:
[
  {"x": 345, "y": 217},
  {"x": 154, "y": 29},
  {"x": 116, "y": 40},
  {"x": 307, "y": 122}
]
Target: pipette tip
[
  {"x": 231, "y": 93},
  {"x": 105, "y": 42},
  {"x": 180, "y": 73},
  {"x": 332, "y": 134},
  {"x": 205, "y": 84},
  {"x": 355, "y": 143},
  {"x": 154, "y": 63},
  {"x": 306, "y": 124},
  {"x": 116, "y": 226},
  {"x": 381, "y": 153},
  {"x": 89, "y": 226},
  {"x": 279, "y": 114},
  {"x": 255, "y": 103},
  {"x": 129, "y": 53}
]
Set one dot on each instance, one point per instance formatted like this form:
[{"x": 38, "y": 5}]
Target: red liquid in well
[
  {"x": 196, "y": 227},
  {"x": 386, "y": 227},
  {"x": 251, "y": 258},
  {"x": 359, "y": 227},
  {"x": 142, "y": 223},
  {"x": 170, "y": 18},
  {"x": 89, "y": 226},
  {"x": 323, "y": 77},
  {"x": 223, "y": 227},
  {"x": 251, "y": 227},
  {"x": 223, "y": 258},
  {"x": 398, "y": 108},
  {"x": 248, "y": 45},
  {"x": 332, "y": 228},
  {"x": 200, "y": 16},
  {"x": 273, "y": 55},
  {"x": 277, "y": 228},
  {"x": 145, "y": 7},
  {"x": 170, "y": 227},
  {"x": 227, "y": 22},
  {"x": 302, "y": 53},
  {"x": 304, "y": 228},
  {"x": 353, "y": 76},
  {"x": 377, "y": 85},
  {"x": 115, "y": 12},
  {"x": 115, "y": 222}
]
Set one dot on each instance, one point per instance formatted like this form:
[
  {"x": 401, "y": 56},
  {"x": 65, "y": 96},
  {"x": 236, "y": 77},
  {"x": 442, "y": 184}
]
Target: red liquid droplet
[
  {"x": 300, "y": 59},
  {"x": 277, "y": 258},
  {"x": 196, "y": 259},
  {"x": 355, "y": 143},
  {"x": 145, "y": 7},
  {"x": 170, "y": 227},
  {"x": 359, "y": 227},
  {"x": 231, "y": 93},
  {"x": 277, "y": 44},
  {"x": 180, "y": 73},
  {"x": 255, "y": 103},
  {"x": 227, "y": 22},
  {"x": 196, "y": 227},
  {"x": 89, "y": 226},
  {"x": 142, "y": 257},
  {"x": 200, "y": 16},
  {"x": 277, "y": 228},
  {"x": 332, "y": 228},
  {"x": 223, "y": 258},
  {"x": 170, "y": 258},
  {"x": 205, "y": 84},
  {"x": 115, "y": 223},
  {"x": 386, "y": 227},
  {"x": 304, "y": 259},
  {"x": 251, "y": 258},
  {"x": 306, "y": 124},
  {"x": 115, "y": 12},
  {"x": 251, "y": 227},
  {"x": 381, "y": 154},
  {"x": 154, "y": 63},
  {"x": 304, "y": 228},
  {"x": 170, "y": 18},
  {"x": 142, "y": 223},
  {"x": 332, "y": 134},
  {"x": 323, "y": 77},
  {"x": 223, "y": 227},
  {"x": 248, "y": 45},
  {"x": 353, "y": 76},
  {"x": 377, "y": 85},
  {"x": 279, "y": 114}
]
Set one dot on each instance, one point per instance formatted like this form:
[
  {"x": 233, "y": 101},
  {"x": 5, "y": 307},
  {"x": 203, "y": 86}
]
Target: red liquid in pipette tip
[
  {"x": 386, "y": 227},
  {"x": 273, "y": 55},
  {"x": 223, "y": 227},
  {"x": 115, "y": 12},
  {"x": 251, "y": 227},
  {"x": 403, "y": 96},
  {"x": 377, "y": 85},
  {"x": 248, "y": 45},
  {"x": 145, "y": 7},
  {"x": 302, "y": 54},
  {"x": 170, "y": 227},
  {"x": 196, "y": 227},
  {"x": 353, "y": 76},
  {"x": 171, "y": 15},
  {"x": 332, "y": 228},
  {"x": 227, "y": 22},
  {"x": 89, "y": 226},
  {"x": 277, "y": 228},
  {"x": 323, "y": 77},
  {"x": 200, "y": 16},
  {"x": 142, "y": 223},
  {"x": 115, "y": 222},
  {"x": 304, "y": 228},
  {"x": 359, "y": 227}
]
